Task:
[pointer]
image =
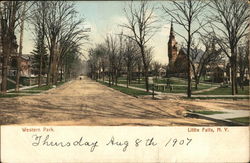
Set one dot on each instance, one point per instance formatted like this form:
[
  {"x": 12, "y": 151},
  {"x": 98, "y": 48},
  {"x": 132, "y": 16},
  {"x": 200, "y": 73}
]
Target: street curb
[{"x": 225, "y": 122}]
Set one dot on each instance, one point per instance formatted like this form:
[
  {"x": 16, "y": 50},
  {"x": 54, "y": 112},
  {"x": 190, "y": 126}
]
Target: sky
[{"x": 104, "y": 17}]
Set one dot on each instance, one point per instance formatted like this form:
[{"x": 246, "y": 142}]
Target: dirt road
[{"x": 85, "y": 102}]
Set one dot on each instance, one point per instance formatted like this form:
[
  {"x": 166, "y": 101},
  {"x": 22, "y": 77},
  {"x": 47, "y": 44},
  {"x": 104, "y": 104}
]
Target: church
[{"x": 177, "y": 59}]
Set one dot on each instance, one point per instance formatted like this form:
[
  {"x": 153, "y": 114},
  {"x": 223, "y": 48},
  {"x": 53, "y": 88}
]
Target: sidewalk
[
  {"x": 22, "y": 88},
  {"x": 160, "y": 95},
  {"x": 224, "y": 117},
  {"x": 229, "y": 114},
  {"x": 205, "y": 90}
]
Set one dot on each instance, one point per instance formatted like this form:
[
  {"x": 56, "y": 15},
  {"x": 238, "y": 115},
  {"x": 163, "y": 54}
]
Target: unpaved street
[{"x": 85, "y": 102}]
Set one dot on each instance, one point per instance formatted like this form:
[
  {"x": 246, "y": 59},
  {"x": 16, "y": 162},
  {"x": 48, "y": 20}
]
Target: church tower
[{"x": 172, "y": 46}]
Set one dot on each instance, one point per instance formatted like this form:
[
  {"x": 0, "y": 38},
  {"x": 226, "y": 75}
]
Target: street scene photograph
[{"x": 125, "y": 63}]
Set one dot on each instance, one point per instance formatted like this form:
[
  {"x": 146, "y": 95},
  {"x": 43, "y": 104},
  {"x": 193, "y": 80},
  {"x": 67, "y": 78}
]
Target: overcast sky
[{"x": 104, "y": 17}]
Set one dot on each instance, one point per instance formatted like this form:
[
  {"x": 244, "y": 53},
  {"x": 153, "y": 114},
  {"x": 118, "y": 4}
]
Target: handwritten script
[{"x": 123, "y": 145}]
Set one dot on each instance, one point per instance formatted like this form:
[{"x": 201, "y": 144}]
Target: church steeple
[
  {"x": 172, "y": 45},
  {"x": 171, "y": 30}
]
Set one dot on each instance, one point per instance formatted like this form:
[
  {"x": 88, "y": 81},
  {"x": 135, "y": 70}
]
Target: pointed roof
[
  {"x": 172, "y": 33},
  {"x": 172, "y": 28}
]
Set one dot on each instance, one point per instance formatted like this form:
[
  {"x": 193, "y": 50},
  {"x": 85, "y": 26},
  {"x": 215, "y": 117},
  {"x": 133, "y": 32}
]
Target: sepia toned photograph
[
  {"x": 180, "y": 63},
  {"x": 116, "y": 63}
]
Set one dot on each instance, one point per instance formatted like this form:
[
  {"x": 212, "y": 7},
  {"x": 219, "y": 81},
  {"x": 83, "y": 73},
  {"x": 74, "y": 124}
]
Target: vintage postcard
[{"x": 124, "y": 81}]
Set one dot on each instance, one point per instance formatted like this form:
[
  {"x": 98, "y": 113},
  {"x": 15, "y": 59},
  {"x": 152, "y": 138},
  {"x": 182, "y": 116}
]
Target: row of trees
[
  {"x": 117, "y": 53},
  {"x": 133, "y": 45},
  {"x": 58, "y": 35},
  {"x": 221, "y": 28},
  {"x": 58, "y": 30}
]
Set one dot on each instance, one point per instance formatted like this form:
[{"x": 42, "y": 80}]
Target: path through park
[{"x": 86, "y": 102}]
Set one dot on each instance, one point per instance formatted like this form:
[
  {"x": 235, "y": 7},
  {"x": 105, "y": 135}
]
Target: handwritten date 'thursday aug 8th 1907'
[{"x": 123, "y": 145}]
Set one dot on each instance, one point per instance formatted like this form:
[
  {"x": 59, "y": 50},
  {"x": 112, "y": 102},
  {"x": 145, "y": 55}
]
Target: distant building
[
  {"x": 177, "y": 59},
  {"x": 172, "y": 46},
  {"x": 25, "y": 66},
  {"x": 178, "y": 62}
]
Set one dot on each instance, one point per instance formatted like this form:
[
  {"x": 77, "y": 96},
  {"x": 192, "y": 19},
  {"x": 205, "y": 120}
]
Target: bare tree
[
  {"x": 141, "y": 22},
  {"x": 92, "y": 63},
  {"x": 9, "y": 17},
  {"x": 63, "y": 31},
  {"x": 25, "y": 7},
  {"x": 186, "y": 13},
  {"x": 101, "y": 52},
  {"x": 58, "y": 16},
  {"x": 230, "y": 22},
  {"x": 119, "y": 57},
  {"x": 104, "y": 59},
  {"x": 72, "y": 63},
  {"x": 111, "y": 45},
  {"x": 129, "y": 57},
  {"x": 200, "y": 59},
  {"x": 138, "y": 61},
  {"x": 156, "y": 68},
  {"x": 73, "y": 36},
  {"x": 243, "y": 62},
  {"x": 39, "y": 15}
]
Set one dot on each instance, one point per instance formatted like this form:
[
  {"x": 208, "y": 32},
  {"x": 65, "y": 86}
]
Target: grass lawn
[
  {"x": 244, "y": 120},
  {"x": 10, "y": 95},
  {"x": 176, "y": 88},
  {"x": 45, "y": 87},
  {"x": 179, "y": 84},
  {"x": 128, "y": 91},
  {"x": 10, "y": 85},
  {"x": 131, "y": 82},
  {"x": 42, "y": 88},
  {"x": 217, "y": 98},
  {"x": 225, "y": 91},
  {"x": 175, "y": 81},
  {"x": 208, "y": 112},
  {"x": 29, "y": 91}
]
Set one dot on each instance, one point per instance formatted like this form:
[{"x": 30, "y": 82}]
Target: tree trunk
[
  {"x": 54, "y": 69},
  {"x": 146, "y": 79},
  {"x": 40, "y": 71},
  {"x": 103, "y": 73},
  {"x": 20, "y": 48},
  {"x": 40, "y": 77},
  {"x": 127, "y": 76},
  {"x": 189, "y": 88},
  {"x": 139, "y": 76},
  {"x": 6, "y": 53},
  {"x": 233, "y": 73},
  {"x": 109, "y": 78},
  {"x": 196, "y": 83},
  {"x": 7, "y": 40},
  {"x": 112, "y": 77},
  {"x": 236, "y": 81},
  {"x": 116, "y": 77},
  {"x": 145, "y": 66},
  {"x": 61, "y": 73},
  {"x": 4, "y": 74},
  {"x": 49, "y": 70}
]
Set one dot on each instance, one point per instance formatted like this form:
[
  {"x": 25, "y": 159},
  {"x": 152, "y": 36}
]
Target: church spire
[
  {"x": 171, "y": 30},
  {"x": 172, "y": 45}
]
